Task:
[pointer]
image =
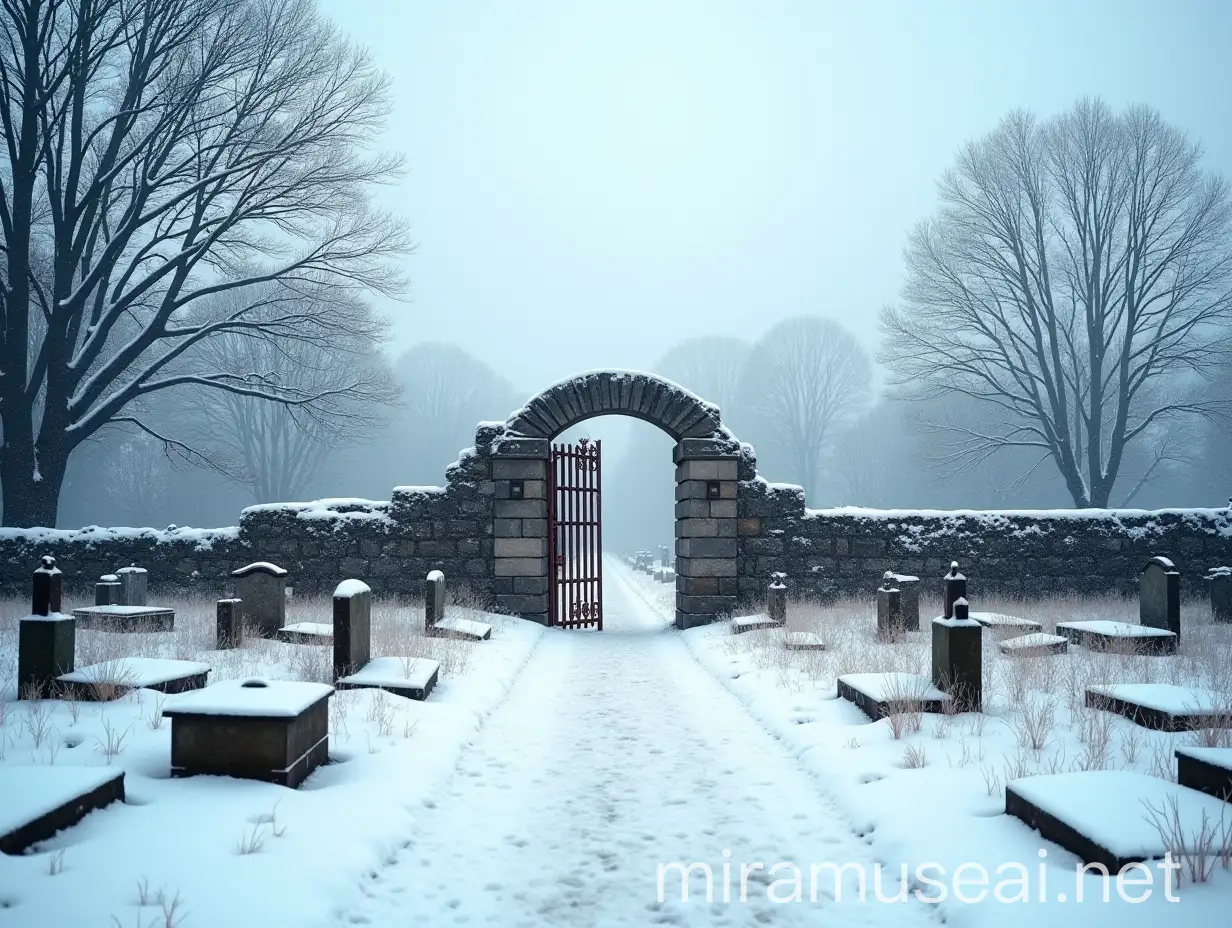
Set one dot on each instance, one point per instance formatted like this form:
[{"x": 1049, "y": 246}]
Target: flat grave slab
[
  {"x": 273, "y": 730},
  {"x": 413, "y": 678},
  {"x": 1008, "y": 623},
  {"x": 1104, "y": 635},
  {"x": 307, "y": 633},
  {"x": 112, "y": 679},
  {"x": 125, "y": 618},
  {"x": 464, "y": 629},
  {"x": 1206, "y": 769},
  {"x": 1102, "y": 816},
  {"x": 803, "y": 641},
  {"x": 751, "y": 623},
  {"x": 879, "y": 695},
  {"x": 1163, "y": 706},
  {"x": 1037, "y": 644},
  {"x": 42, "y": 799}
]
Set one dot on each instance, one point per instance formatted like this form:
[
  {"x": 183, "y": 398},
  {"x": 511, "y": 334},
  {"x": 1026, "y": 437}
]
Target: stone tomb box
[{"x": 273, "y": 730}]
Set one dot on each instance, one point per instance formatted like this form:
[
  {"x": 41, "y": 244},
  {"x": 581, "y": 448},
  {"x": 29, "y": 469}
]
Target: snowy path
[{"x": 616, "y": 752}]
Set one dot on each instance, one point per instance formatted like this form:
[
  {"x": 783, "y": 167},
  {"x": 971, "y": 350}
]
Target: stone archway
[{"x": 707, "y": 459}]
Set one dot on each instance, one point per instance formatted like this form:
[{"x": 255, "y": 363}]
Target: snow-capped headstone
[
  {"x": 909, "y": 598},
  {"x": 664, "y": 555},
  {"x": 352, "y": 627},
  {"x": 958, "y": 656},
  {"x": 134, "y": 585},
  {"x": 955, "y": 589},
  {"x": 889, "y": 610},
  {"x": 263, "y": 588},
  {"x": 434, "y": 598},
  {"x": 46, "y": 639},
  {"x": 1220, "y": 579},
  {"x": 107, "y": 590},
  {"x": 229, "y": 624},
  {"x": 776, "y": 598},
  {"x": 1159, "y": 596}
]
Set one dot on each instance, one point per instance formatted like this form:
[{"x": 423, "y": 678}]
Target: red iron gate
[{"x": 575, "y": 536}]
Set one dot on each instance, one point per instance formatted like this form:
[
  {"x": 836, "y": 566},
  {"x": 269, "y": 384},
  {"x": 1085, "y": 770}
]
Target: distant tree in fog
[
  {"x": 710, "y": 367},
  {"x": 1076, "y": 282},
  {"x": 158, "y": 153},
  {"x": 136, "y": 479},
  {"x": 803, "y": 381}
]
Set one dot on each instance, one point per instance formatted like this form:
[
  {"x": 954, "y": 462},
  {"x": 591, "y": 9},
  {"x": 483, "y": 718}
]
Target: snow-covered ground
[{"x": 572, "y": 777}]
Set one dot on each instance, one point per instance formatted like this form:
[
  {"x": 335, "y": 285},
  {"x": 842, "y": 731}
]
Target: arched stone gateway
[{"x": 708, "y": 474}]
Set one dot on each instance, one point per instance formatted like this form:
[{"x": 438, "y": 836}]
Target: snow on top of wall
[
  {"x": 420, "y": 491},
  {"x": 202, "y": 538},
  {"x": 342, "y": 508}
]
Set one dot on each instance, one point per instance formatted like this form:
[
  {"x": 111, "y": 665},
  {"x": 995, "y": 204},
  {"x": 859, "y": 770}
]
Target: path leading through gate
[{"x": 613, "y": 754}]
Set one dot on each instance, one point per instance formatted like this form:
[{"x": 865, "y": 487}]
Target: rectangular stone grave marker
[
  {"x": 352, "y": 627},
  {"x": 889, "y": 612},
  {"x": 107, "y": 590},
  {"x": 46, "y": 639},
  {"x": 434, "y": 598},
  {"x": 776, "y": 599},
  {"x": 1220, "y": 579},
  {"x": 229, "y": 624},
  {"x": 134, "y": 585},
  {"x": 909, "y": 598},
  {"x": 955, "y": 589},
  {"x": 1159, "y": 596},
  {"x": 958, "y": 657},
  {"x": 263, "y": 589}
]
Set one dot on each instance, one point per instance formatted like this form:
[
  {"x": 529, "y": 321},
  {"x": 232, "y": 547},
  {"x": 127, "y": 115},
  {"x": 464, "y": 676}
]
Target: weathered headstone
[
  {"x": 46, "y": 639},
  {"x": 889, "y": 612},
  {"x": 262, "y": 587},
  {"x": 776, "y": 599},
  {"x": 955, "y": 589},
  {"x": 1220, "y": 579},
  {"x": 664, "y": 555},
  {"x": 434, "y": 598},
  {"x": 134, "y": 585},
  {"x": 229, "y": 624},
  {"x": 1159, "y": 596},
  {"x": 107, "y": 590},
  {"x": 352, "y": 627},
  {"x": 909, "y": 598},
  {"x": 958, "y": 657}
]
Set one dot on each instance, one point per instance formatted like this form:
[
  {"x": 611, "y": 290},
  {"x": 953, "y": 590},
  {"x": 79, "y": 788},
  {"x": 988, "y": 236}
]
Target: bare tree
[
  {"x": 1077, "y": 280},
  {"x": 159, "y": 153},
  {"x": 804, "y": 379},
  {"x": 277, "y": 450},
  {"x": 710, "y": 367}
]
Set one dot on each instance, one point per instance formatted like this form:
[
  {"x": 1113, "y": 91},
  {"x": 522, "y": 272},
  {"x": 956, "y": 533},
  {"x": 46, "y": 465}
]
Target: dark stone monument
[
  {"x": 1220, "y": 579},
  {"x": 889, "y": 612},
  {"x": 909, "y": 598},
  {"x": 352, "y": 627},
  {"x": 664, "y": 556},
  {"x": 958, "y": 656},
  {"x": 263, "y": 588},
  {"x": 107, "y": 590},
  {"x": 1159, "y": 596},
  {"x": 229, "y": 624},
  {"x": 46, "y": 640},
  {"x": 434, "y": 598},
  {"x": 134, "y": 585},
  {"x": 776, "y": 599},
  {"x": 955, "y": 589}
]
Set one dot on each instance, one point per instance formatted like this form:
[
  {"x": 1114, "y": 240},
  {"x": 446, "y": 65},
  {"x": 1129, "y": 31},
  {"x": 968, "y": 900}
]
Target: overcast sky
[{"x": 593, "y": 181}]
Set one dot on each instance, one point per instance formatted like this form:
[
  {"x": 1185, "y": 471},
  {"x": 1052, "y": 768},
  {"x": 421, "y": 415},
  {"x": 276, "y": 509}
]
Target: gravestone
[
  {"x": 134, "y": 585},
  {"x": 909, "y": 598},
  {"x": 776, "y": 599},
  {"x": 434, "y": 598},
  {"x": 955, "y": 589},
  {"x": 1220, "y": 579},
  {"x": 107, "y": 590},
  {"x": 229, "y": 624},
  {"x": 664, "y": 554},
  {"x": 46, "y": 639},
  {"x": 352, "y": 627},
  {"x": 263, "y": 588},
  {"x": 1159, "y": 596},
  {"x": 889, "y": 611},
  {"x": 958, "y": 657}
]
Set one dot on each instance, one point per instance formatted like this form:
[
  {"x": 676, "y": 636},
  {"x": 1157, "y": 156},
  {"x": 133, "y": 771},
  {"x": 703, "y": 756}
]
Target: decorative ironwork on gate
[{"x": 575, "y": 535}]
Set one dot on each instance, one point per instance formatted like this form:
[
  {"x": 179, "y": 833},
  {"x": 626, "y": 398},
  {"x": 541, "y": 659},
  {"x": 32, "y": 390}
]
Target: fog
[{"x": 602, "y": 185}]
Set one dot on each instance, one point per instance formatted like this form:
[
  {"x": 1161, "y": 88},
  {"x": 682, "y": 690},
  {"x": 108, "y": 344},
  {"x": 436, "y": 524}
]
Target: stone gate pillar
[
  {"x": 520, "y": 527},
  {"x": 707, "y": 471}
]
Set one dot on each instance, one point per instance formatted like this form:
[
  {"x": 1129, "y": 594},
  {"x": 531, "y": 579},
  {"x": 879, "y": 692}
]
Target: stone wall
[{"x": 828, "y": 553}]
